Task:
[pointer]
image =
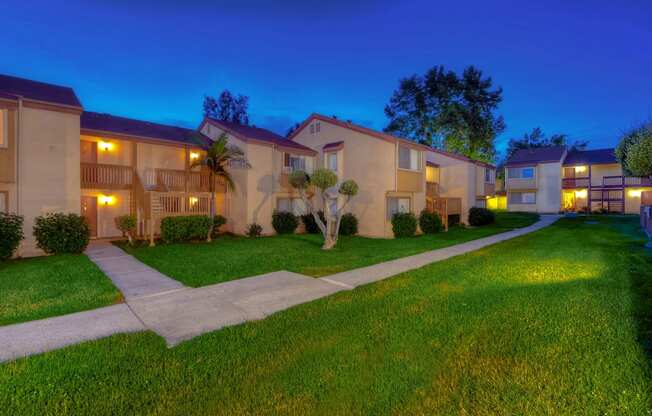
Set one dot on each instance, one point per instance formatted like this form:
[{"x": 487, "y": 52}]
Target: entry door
[
  {"x": 569, "y": 201},
  {"x": 89, "y": 211}
]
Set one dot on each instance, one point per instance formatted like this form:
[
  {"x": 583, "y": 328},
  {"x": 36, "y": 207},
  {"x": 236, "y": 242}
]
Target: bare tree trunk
[{"x": 212, "y": 207}]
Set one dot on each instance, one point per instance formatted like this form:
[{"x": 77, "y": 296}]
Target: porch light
[
  {"x": 194, "y": 155},
  {"x": 106, "y": 146},
  {"x": 580, "y": 169},
  {"x": 581, "y": 193},
  {"x": 193, "y": 201},
  {"x": 635, "y": 193},
  {"x": 107, "y": 199}
]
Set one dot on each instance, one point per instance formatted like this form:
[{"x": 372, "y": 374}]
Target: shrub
[
  {"x": 61, "y": 233},
  {"x": 218, "y": 221},
  {"x": 284, "y": 222},
  {"x": 430, "y": 222},
  {"x": 127, "y": 224},
  {"x": 481, "y": 216},
  {"x": 11, "y": 230},
  {"x": 348, "y": 224},
  {"x": 254, "y": 230},
  {"x": 404, "y": 224},
  {"x": 310, "y": 224},
  {"x": 185, "y": 228}
]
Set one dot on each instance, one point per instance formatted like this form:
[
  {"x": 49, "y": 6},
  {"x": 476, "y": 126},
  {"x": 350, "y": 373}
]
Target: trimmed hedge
[
  {"x": 11, "y": 230},
  {"x": 348, "y": 224},
  {"x": 481, "y": 216},
  {"x": 62, "y": 233},
  {"x": 218, "y": 221},
  {"x": 185, "y": 228},
  {"x": 404, "y": 224},
  {"x": 284, "y": 222},
  {"x": 254, "y": 230},
  {"x": 430, "y": 222},
  {"x": 310, "y": 224}
]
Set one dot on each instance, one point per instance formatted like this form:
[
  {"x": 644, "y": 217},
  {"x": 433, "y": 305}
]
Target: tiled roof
[
  {"x": 537, "y": 155},
  {"x": 256, "y": 133},
  {"x": 590, "y": 157},
  {"x": 38, "y": 91},
  {"x": 129, "y": 127}
]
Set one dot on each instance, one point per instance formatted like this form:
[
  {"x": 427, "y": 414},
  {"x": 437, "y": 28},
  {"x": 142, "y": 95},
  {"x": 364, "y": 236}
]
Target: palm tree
[{"x": 218, "y": 158}]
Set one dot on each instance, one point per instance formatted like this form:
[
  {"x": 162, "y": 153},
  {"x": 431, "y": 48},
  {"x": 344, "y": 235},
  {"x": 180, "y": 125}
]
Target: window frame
[
  {"x": 5, "y": 195},
  {"x": 330, "y": 155},
  {"x": 398, "y": 199},
  {"x": 293, "y": 208},
  {"x": 520, "y": 172},
  {"x": 4, "y": 128},
  {"x": 521, "y": 201},
  {"x": 410, "y": 150}
]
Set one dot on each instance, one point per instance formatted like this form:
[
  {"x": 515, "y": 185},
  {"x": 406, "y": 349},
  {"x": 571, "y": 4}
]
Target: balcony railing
[
  {"x": 182, "y": 181},
  {"x": 623, "y": 181},
  {"x": 489, "y": 189},
  {"x": 637, "y": 181},
  {"x": 432, "y": 189},
  {"x": 96, "y": 175},
  {"x": 575, "y": 182},
  {"x": 521, "y": 183}
]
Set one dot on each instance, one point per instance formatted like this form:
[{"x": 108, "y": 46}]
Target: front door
[
  {"x": 569, "y": 200},
  {"x": 89, "y": 211}
]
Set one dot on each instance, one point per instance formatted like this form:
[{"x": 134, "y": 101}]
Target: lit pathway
[{"x": 178, "y": 313}]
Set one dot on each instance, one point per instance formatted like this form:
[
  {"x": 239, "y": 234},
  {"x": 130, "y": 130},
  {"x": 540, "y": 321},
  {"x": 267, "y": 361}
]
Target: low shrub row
[
  {"x": 404, "y": 224},
  {"x": 287, "y": 223},
  {"x": 186, "y": 228}
]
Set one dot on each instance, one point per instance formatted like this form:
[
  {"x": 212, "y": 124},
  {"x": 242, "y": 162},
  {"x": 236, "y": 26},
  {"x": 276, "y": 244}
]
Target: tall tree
[
  {"x": 444, "y": 110},
  {"x": 227, "y": 107},
  {"x": 537, "y": 139},
  {"x": 634, "y": 151},
  {"x": 292, "y": 129}
]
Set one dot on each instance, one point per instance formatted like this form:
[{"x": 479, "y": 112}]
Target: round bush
[
  {"x": 11, "y": 230},
  {"x": 404, "y": 224},
  {"x": 284, "y": 222},
  {"x": 61, "y": 233},
  {"x": 430, "y": 222},
  {"x": 185, "y": 228},
  {"x": 481, "y": 216},
  {"x": 348, "y": 224},
  {"x": 310, "y": 224},
  {"x": 254, "y": 230}
]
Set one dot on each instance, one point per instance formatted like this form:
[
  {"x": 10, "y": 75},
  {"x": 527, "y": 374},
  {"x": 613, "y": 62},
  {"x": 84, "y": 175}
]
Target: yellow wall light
[
  {"x": 107, "y": 199},
  {"x": 634, "y": 193},
  {"x": 581, "y": 193},
  {"x": 106, "y": 146},
  {"x": 194, "y": 155},
  {"x": 580, "y": 169},
  {"x": 193, "y": 201}
]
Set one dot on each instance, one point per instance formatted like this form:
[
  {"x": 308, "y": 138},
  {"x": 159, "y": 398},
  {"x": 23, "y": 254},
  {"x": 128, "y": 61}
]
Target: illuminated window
[
  {"x": 408, "y": 158},
  {"x": 4, "y": 128},
  {"x": 397, "y": 205}
]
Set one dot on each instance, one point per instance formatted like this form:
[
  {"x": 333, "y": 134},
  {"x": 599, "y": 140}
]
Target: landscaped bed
[
  {"x": 229, "y": 258},
  {"x": 548, "y": 323},
  {"x": 43, "y": 287}
]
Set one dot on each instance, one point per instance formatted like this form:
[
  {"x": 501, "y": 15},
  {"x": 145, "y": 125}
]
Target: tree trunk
[
  {"x": 329, "y": 242},
  {"x": 212, "y": 207}
]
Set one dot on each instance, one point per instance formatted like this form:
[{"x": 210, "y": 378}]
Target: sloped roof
[
  {"x": 537, "y": 155},
  {"x": 39, "y": 91},
  {"x": 257, "y": 133},
  {"x": 591, "y": 157},
  {"x": 101, "y": 122},
  {"x": 333, "y": 145}
]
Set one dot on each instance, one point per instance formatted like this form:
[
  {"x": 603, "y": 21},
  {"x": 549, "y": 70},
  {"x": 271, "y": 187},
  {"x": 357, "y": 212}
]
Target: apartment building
[{"x": 558, "y": 179}]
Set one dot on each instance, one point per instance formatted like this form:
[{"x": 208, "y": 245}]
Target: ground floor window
[
  {"x": 4, "y": 202},
  {"x": 395, "y": 205},
  {"x": 293, "y": 205},
  {"x": 522, "y": 198}
]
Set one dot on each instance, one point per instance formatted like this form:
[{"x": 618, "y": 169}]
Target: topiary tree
[
  {"x": 325, "y": 181},
  {"x": 127, "y": 224},
  {"x": 634, "y": 151}
]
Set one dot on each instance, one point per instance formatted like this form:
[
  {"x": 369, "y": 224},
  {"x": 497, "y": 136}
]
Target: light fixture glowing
[
  {"x": 581, "y": 193},
  {"x": 193, "y": 201},
  {"x": 194, "y": 155},
  {"x": 635, "y": 193},
  {"x": 580, "y": 169},
  {"x": 107, "y": 199},
  {"x": 106, "y": 146}
]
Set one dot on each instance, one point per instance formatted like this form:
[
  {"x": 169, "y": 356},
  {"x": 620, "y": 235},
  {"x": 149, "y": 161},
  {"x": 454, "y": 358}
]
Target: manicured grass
[
  {"x": 542, "y": 324},
  {"x": 42, "y": 287},
  {"x": 229, "y": 258}
]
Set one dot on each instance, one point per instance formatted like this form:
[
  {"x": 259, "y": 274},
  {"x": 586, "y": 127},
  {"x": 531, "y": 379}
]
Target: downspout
[{"x": 18, "y": 141}]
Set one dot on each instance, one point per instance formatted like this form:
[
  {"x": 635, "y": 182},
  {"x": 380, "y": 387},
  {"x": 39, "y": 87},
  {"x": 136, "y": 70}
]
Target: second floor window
[
  {"x": 293, "y": 163},
  {"x": 408, "y": 158},
  {"x": 4, "y": 128},
  {"x": 488, "y": 175},
  {"x": 521, "y": 173},
  {"x": 331, "y": 159}
]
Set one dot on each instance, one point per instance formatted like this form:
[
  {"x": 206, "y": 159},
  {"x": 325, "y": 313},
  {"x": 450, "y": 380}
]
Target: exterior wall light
[
  {"x": 635, "y": 193},
  {"x": 194, "y": 155},
  {"x": 193, "y": 201},
  {"x": 106, "y": 146},
  {"x": 107, "y": 199},
  {"x": 580, "y": 169},
  {"x": 581, "y": 193}
]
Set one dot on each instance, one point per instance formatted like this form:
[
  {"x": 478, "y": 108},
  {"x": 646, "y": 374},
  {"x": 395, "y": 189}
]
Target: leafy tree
[
  {"x": 444, "y": 110},
  {"x": 292, "y": 129},
  {"x": 325, "y": 181},
  {"x": 634, "y": 151},
  {"x": 227, "y": 107},
  {"x": 217, "y": 159},
  {"x": 537, "y": 139}
]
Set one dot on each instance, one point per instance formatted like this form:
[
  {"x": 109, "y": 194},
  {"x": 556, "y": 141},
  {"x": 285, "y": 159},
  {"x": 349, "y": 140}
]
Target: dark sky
[{"x": 578, "y": 67}]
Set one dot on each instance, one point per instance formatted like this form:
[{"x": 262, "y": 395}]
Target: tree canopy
[
  {"x": 634, "y": 151},
  {"x": 227, "y": 107},
  {"x": 448, "y": 111},
  {"x": 537, "y": 138}
]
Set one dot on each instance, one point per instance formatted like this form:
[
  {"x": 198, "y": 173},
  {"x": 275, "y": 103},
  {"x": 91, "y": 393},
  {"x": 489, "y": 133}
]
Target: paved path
[{"x": 177, "y": 313}]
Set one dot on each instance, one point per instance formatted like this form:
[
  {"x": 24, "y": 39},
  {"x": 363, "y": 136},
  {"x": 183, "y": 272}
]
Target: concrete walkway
[{"x": 177, "y": 313}]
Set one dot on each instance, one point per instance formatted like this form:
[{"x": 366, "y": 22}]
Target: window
[
  {"x": 395, "y": 205},
  {"x": 4, "y": 128},
  {"x": 332, "y": 161},
  {"x": 312, "y": 129},
  {"x": 488, "y": 177},
  {"x": 521, "y": 173},
  {"x": 292, "y": 163},
  {"x": 4, "y": 202},
  {"x": 522, "y": 198},
  {"x": 318, "y": 127},
  {"x": 408, "y": 158},
  {"x": 293, "y": 205}
]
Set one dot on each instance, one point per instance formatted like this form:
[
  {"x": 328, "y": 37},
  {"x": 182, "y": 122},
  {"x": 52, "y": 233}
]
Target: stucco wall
[
  {"x": 600, "y": 171},
  {"x": 106, "y": 213},
  {"x": 119, "y": 154},
  {"x": 152, "y": 156},
  {"x": 457, "y": 180},
  {"x": 549, "y": 187},
  {"x": 633, "y": 200}
]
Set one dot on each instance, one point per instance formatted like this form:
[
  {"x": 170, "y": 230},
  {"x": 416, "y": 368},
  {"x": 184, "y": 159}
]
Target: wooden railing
[
  {"x": 96, "y": 175},
  {"x": 170, "y": 204},
  {"x": 182, "y": 181},
  {"x": 489, "y": 189},
  {"x": 432, "y": 189},
  {"x": 637, "y": 181},
  {"x": 646, "y": 198},
  {"x": 445, "y": 207},
  {"x": 575, "y": 182},
  {"x": 521, "y": 183}
]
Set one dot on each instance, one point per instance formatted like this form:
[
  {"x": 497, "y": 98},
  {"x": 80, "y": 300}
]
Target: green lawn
[
  {"x": 229, "y": 258},
  {"x": 42, "y": 287},
  {"x": 549, "y": 323}
]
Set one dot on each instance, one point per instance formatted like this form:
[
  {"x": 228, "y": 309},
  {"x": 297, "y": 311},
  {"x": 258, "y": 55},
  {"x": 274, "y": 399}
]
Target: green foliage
[
  {"x": 348, "y": 224},
  {"x": 634, "y": 151},
  {"x": 481, "y": 216},
  {"x": 126, "y": 223},
  {"x": 218, "y": 221},
  {"x": 299, "y": 179},
  {"x": 348, "y": 188},
  {"x": 254, "y": 230},
  {"x": 537, "y": 139},
  {"x": 61, "y": 233},
  {"x": 430, "y": 222},
  {"x": 284, "y": 222},
  {"x": 227, "y": 107},
  {"x": 219, "y": 157},
  {"x": 444, "y": 110},
  {"x": 11, "y": 232},
  {"x": 404, "y": 224},
  {"x": 323, "y": 178},
  {"x": 310, "y": 224},
  {"x": 185, "y": 228}
]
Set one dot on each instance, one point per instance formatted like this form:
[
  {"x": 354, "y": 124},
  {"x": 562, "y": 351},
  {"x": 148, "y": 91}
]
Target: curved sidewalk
[{"x": 178, "y": 313}]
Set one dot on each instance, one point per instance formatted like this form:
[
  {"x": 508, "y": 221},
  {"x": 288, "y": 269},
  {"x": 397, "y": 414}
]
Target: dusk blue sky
[{"x": 578, "y": 67}]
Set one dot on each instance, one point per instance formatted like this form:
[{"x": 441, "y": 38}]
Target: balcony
[
  {"x": 624, "y": 181},
  {"x": 489, "y": 189},
  {"x": 521, "y": 183},
  {"x": 575, "y": 182},
  {"x": 432, "y": 189},
  {"x": 96, "y": 175}
]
